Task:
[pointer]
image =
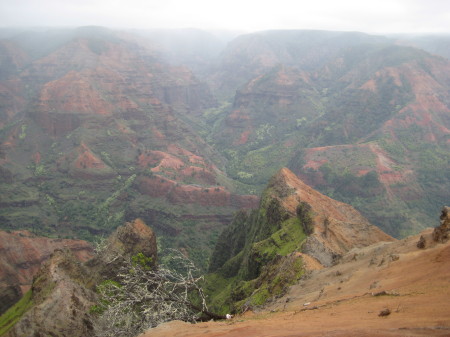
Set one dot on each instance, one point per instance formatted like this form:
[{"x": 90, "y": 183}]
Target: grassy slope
[
  {"x": 264, "y": 268},
  {"x": 10, "y": 317}
]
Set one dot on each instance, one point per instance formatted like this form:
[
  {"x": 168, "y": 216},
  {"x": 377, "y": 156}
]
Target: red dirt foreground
[{"x": 387, "y": 289}]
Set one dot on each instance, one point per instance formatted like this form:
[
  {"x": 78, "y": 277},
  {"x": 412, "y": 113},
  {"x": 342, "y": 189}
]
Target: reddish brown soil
[
  {"x": 176, "y": 166},
  {"x": 243, "y": 138},
  {"x": 315, "y": 164},
  {"x": 179, "y": 164},
  {"x": 157, "y": 134},
  {"x": 22, "y": 254},
  {"x": 390, "y": 173},
  {"x": 425, "y": 88},
  {"x": 192, "y": 194},
  {"x": 37, "y": 158},
  {"x": 237, "y": 116},
  {"x": 337, "y": 227},
  {"x": 346, "y": 299},
  {"x": 74, "y": 93},
  {"x": 160, "y": 160},
  {"x": 87, "y": 159}
]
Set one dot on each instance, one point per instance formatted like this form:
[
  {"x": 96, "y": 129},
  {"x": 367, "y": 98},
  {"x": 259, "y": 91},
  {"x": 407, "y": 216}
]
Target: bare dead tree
[{"x": 147, "y": 296}]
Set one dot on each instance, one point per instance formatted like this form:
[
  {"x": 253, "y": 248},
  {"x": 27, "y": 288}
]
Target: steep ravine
[
  {"x": 295, "y": 229},
  {"x": 385, "y": 289}
]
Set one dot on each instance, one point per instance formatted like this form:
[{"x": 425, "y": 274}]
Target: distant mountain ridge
[
  {"x": 100, "y": 126},
  {"x": 367, "y": 95},
  {"x": 91, "y": 133}
]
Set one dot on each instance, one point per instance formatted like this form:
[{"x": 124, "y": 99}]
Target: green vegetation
[
  {"x": 105, "y": 288},
  {"x": 144, "y": 262},
  {"x": 345, "y": 185},
  {"x": 282, "y": 242},
  {"x": 23, "y": 132},
  {"x": 274, "y": 281},
  {"x": 107, "y": 158},
  {"x": 305, "y": 217},
  {"x": 255, "y": 167},
  {"x": 255, "y": 257},
  {"x": 394, "y": 148},
  {"x": 341, "y": 99},
  {"x": 219, "y": 289},
  {"x": 13, "y": 314},
  {"x": 39, "y": 170}
]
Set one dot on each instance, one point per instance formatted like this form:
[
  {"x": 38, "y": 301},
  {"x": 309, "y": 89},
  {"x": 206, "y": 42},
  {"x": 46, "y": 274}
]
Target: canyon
[
  {"x": 319, "y": 144},
  {"x": 91, "y": 114},
  {"x": 349, "y": 277}
]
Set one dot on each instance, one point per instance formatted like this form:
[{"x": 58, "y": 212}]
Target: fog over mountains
[
  {"x": 264, "y": 157},
  {"x": 183, "y": 127}
]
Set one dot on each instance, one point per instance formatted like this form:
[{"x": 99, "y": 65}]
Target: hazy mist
[{"x": 381, "y": 16}]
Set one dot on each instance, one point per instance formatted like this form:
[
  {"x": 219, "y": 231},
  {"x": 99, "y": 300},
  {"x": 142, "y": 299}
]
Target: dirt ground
[{"x": 348, "y": 299}]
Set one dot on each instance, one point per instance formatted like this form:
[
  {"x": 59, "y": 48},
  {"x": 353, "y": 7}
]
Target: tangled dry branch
[{"x": 145, "y": 297}]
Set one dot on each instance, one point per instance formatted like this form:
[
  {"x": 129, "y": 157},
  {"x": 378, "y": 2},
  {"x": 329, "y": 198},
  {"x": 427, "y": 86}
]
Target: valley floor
[{"x": 347, "y": 299}]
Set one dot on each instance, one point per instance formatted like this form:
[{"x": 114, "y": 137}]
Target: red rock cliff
[{"x": 21, "y": 255}]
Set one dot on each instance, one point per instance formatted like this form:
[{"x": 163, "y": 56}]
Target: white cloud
[{"x": 369, "y": 16}]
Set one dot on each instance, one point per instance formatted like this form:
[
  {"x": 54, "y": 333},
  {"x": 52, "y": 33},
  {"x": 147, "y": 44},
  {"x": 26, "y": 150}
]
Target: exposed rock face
[
  {"x": 194, "y": 194},
  {"x": 132, "y": 238},
  {"x": 335, "y": 227},
  {"x": 442, "y": 233},
  {"x": 21, "y": 255},
  {"x": 128, "y": 240},
  {"x": 296, "y": 229},
  {"x": 62, "y": 290},
  {"x": 60, "y": 301}
]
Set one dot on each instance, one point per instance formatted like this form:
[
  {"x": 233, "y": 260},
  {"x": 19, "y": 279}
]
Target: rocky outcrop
[
  {"x": 442, "y": 233},
  {"x": 62, "y": 292},
  {"x": 60, "y": 301},
  {"x": 21, "y": 255},
  {"x": 158, "y": 186},
  {"x": 87, "y": 165},
  {"x": 183, "y": 177},
  {"x": 332, "y": 227},
  {"x": 132, "y": 238},
  {"x": 335, "y": 227},
  {"x": 57, "y": 124},
  {"x": 128, "y": 240},
  {"x": 295, "y": 230}
]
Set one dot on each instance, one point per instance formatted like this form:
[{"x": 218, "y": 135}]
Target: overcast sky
[{"x": 372, "y": 16}]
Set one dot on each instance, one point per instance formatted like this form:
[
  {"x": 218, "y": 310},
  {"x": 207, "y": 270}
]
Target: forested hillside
[{"x": 183, "y": 128}]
